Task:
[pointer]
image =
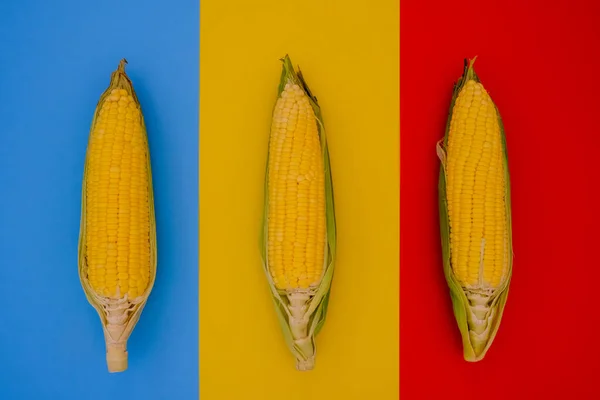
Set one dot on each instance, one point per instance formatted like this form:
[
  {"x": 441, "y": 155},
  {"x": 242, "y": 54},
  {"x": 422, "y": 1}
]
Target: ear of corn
[
  {"x": 299, "y": 233},
  {"x": 475, "y": 214},
  {"x": 117, "y": 240}
]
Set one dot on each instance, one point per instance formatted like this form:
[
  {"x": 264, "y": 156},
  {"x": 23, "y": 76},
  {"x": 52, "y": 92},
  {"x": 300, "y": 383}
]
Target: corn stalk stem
[
  {"x": 299, "y": 320},
  {"x": 116, "y": 335},
  {"x": 480, "y": 319}
]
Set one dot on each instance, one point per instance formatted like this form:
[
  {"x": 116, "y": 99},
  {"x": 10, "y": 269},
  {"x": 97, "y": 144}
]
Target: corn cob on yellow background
[{"x": 349, "y": 55}]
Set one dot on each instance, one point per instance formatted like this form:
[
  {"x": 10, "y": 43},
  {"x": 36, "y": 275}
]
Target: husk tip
[
  {"x": 122, "y": 64},
  {"x": 288, "y": 67},
  {"x": 472, "y": 61},
  {"x": 469, "y": 69},
  {"x": 285, "y": 58}
]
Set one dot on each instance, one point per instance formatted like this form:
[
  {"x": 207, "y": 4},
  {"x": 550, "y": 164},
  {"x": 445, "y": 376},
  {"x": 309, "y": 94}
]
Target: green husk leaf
[
  {"x": 318, "y": 303},
  {"x": 497, "y": 301},
  {"x": 117, "y": 335}
]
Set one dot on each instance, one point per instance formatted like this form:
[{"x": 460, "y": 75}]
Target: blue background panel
[{"x": 56, "y": 58}]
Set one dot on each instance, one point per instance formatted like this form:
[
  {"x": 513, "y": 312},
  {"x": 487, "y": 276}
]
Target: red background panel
[{"x": 540, "y": 61}]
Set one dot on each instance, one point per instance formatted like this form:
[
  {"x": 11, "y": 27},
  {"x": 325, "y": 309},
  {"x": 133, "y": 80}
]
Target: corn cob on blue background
[{"x": 56, "y": 60}]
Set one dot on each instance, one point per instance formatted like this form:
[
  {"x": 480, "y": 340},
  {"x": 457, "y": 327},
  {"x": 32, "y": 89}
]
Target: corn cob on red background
[{"x": 539, "y": 62}]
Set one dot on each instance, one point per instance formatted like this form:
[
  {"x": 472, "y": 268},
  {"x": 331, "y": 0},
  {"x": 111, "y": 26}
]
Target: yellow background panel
[{"x": 349, "y": 54}]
